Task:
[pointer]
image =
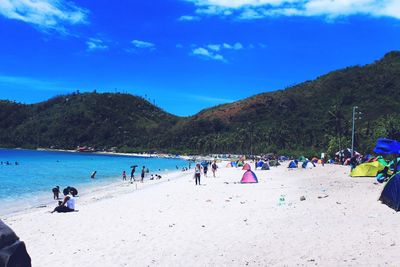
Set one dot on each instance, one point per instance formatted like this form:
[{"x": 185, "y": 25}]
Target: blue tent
[
  {"x": 265, "y": 166},
  {"x": 387, "y": 147},
  {"x": 391, "y": 192},
  {"x": 292, "y": 165},
  {"x": 304, "y": 165},
  {"x": 234, "y": 164},
  {"x": 260, "y": 164}
]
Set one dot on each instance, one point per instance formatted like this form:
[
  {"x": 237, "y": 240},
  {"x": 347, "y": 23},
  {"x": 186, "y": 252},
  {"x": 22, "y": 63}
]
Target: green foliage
[{"x": 308, "y": 118}]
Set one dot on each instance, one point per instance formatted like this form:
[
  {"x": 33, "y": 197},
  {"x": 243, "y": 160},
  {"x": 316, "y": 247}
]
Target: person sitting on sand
[
  {"x": 67, "y": 205},
  {"x": 56, "y": 192},
  {"x": 72, "y": 190}
]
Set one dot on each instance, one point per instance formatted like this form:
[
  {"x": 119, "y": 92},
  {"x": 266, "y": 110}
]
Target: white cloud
[
  {"x": 257, "y": 9},
  {"x": 214, "y": 47},
  {"x": 46, "y": 15},
  {"x": 143, "y": 44},
  {"x": 95, "y": 44},
  {"x": 215, "y": 51},
  {"x": 218, "y": 47},
  {"x": 206, "y": 54},
  {"x": 189, "y": 18}
]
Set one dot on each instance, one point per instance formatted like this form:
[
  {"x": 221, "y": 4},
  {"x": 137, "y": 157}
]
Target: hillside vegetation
[{"x": 311, "y": 117}]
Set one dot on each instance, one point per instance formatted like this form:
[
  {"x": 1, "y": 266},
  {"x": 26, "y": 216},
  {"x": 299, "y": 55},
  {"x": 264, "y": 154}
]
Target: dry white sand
[{"x": 221, "y": 223}]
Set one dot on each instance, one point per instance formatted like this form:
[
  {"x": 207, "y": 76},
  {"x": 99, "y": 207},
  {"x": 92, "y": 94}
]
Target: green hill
[
  {"x": 98, "y": 120},
  {"x": 307, "y": 118}
]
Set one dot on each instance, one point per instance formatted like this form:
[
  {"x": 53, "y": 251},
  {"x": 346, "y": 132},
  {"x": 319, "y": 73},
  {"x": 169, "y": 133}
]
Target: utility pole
[{"x": 355, "y": 108}]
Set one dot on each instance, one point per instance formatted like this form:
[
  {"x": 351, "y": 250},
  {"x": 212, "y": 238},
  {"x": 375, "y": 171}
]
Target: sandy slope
[{"x": 222, "y": 223}]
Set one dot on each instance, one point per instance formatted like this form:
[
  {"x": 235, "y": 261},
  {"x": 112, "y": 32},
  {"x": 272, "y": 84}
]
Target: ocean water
[{"x": 37, "y": 172}]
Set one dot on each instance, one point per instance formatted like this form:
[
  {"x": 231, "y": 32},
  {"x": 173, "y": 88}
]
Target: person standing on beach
[
  {"x": 214, "y": 168},
  {"x": 197, "y": 173},
  {"x": 133, "y": 173},
  {"x": 205, "y": 168},
  {"x": 143, "y": 173},
  {"x": 123, "y": 176},
  {"x": 56, "y": 192}
]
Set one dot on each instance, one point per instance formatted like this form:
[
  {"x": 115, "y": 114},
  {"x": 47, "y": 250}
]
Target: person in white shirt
[{"x": 67, "y": 205}]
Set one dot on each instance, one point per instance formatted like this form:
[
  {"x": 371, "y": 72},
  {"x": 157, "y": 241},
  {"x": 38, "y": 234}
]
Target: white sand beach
[{"x": 172, "y": 222}]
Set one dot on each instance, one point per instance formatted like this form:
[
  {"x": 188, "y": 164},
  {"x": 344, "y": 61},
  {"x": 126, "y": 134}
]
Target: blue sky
[{"x": 185, "y": 55}]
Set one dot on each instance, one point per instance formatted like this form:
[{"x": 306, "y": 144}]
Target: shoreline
[
  {"x": 108, "y": 153},
  {"x": 45, "y": 199},
  {"x": 86, "y": 192}
]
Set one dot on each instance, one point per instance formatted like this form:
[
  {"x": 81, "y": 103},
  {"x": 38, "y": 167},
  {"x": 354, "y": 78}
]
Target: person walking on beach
[
  {"x": 123, "y": 176},
  {"x": 205, "y": 168},
  {"x": 133, "y": 173},
  {"x": 197, "y": 173},
  {"x": 143, "y": 173},
  {"x": 214, "y": 168}
]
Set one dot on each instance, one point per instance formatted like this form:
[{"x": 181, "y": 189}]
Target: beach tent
[
  {"x": 246, "y": 167},
  {"x": 392, "y": 165},
  {"x": 249, "y": 177},
  {"x": 234, "y": 164},
  {"x": 292, "y": 165},
  {"x": 240, "y": 164},
  {"x": 320, "y": 161},
  {"x": 273, "y": 163},
  {"x": 314, "y": 159},
  {"x": 346, "y": 153},
  {"x": 260, "y": 164},
  {"x": 382, "y": 161},
  {"x": 307, "y": 165},
  {"x": 369, "y": 169},
  {"x": 387, "y": 147},
  {"x": 265, "y": 167},
  {"x": 302, "y": 158},
  {"x": 391, "y": 193}
]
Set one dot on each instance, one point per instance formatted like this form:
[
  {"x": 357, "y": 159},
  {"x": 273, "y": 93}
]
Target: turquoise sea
[{"x": 30, "y": 180}]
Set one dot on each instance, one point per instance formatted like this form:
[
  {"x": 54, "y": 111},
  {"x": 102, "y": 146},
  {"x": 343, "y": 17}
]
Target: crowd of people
[
  {"x": 8, "y": 163},
  {"x": 68, "y": 202}
]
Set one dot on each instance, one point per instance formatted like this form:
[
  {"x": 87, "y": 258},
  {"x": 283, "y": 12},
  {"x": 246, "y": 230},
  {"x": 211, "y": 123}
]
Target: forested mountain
[{"x": 311, "y": 117}]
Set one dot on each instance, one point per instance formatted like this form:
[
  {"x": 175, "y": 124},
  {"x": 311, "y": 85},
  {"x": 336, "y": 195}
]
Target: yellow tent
[{"x": 369, "y": 169}]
